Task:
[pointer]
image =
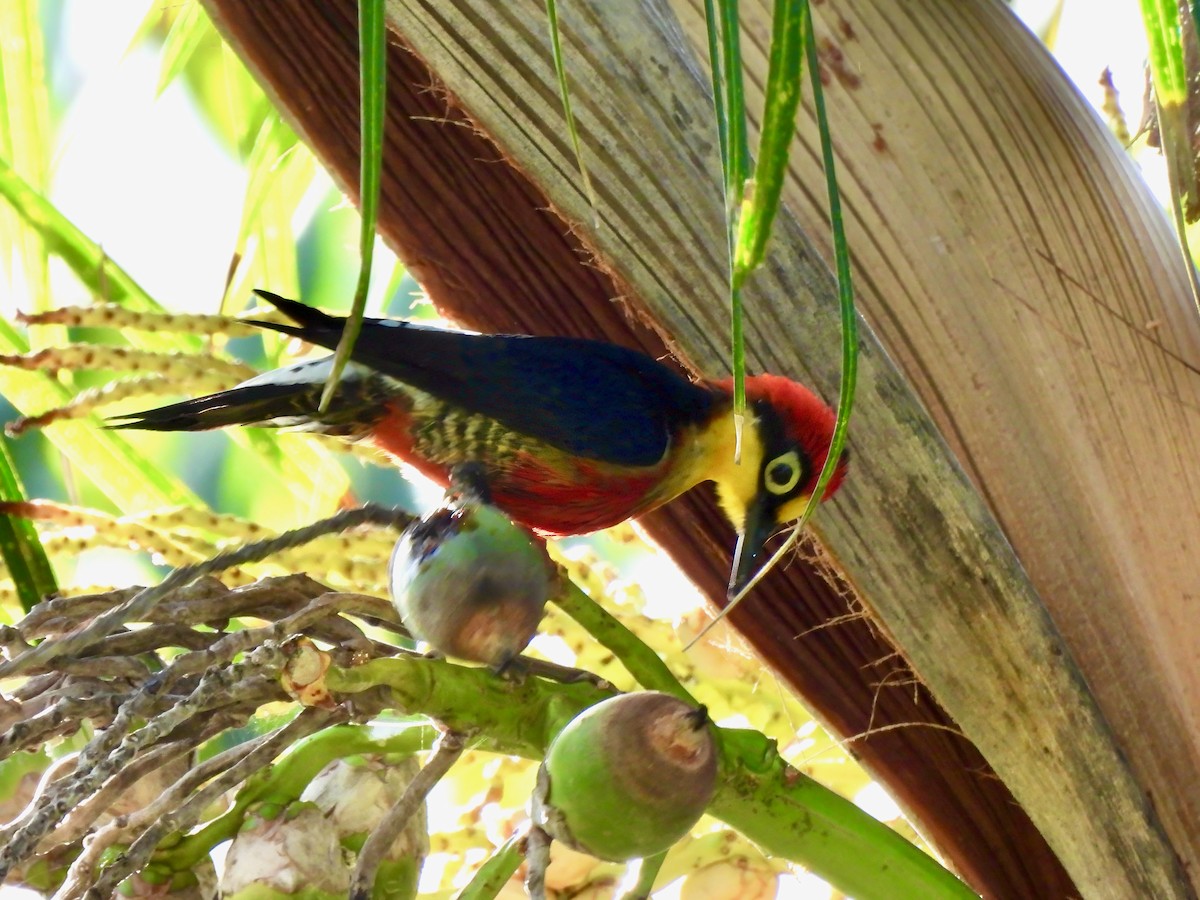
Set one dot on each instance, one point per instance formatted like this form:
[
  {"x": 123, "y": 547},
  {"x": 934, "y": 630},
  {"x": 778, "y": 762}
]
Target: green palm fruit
[{"x": 628, "y": 777}]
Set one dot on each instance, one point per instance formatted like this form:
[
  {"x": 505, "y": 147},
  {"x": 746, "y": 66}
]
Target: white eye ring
[{"x": 782, "y": 474}]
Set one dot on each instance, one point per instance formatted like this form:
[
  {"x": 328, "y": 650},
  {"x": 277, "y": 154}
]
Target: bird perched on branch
[{"x": 574, "y": 435}]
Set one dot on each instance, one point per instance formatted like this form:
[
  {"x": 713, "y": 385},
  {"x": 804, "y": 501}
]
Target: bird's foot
[{"x": 469, "y": 484}]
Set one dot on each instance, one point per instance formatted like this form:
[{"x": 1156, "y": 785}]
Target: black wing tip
[
  {"x": 246, "y": 404},
  {"x": 197, "y": 414},
  {"x": 300, "y": 313},
  {"x": 277, "y": 300}
]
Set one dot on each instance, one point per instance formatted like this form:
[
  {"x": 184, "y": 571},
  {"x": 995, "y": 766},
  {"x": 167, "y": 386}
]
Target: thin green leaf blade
[
  {"x": 187, "y": 33},
  {"x": 848, "y": 315},
  {"x": 737, "y": 172},
  {"x": 22, "y": 550},
  {"x": 729, "y": 105},
  {"x": 735, "y": 107},
  {"x": 1162, "y": 22},
  {"x": 372, "y": 42},
  {"x": 779, "y": 125},
  {"x": 841, "y": 250},
  {"x": 716, "y": 68},
  {"x": 560, "y": 70}
]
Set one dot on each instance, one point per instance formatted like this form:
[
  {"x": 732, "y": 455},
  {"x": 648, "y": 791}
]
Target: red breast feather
[{"x": 540, "y": 486}]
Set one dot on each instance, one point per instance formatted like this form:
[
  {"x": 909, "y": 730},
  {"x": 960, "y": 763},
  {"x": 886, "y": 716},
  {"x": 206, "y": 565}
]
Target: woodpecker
[{"x": 573, "y": 435}]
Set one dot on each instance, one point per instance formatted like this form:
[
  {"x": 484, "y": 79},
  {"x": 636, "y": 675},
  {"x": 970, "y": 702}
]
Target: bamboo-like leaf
[
  {"x": 372, "y": 31},
  {"x": 272, "y": 253},
  {"x": 560, "y": 70},
  {"x": 186, "y": 34},
  {"x": 20, "y": 546},
  {"x": 779, "y": 125},
  {"x": 150, "y": 23},
  {"x": 24, "y": 132},
  {"x": 280, "y": 171},
  {"x": 226, "y": 94},
  {"x": 84, "y": 256},
  {"x": 272, "y": 147},
  {"x": 841, "y": 250}
]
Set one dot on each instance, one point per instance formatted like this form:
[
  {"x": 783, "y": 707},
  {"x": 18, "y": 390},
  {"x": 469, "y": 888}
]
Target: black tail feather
[{"x": 261, "y": 401}]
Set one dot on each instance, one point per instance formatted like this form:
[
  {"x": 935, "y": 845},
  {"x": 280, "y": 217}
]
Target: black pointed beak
[{"x": 747, "y": 557}]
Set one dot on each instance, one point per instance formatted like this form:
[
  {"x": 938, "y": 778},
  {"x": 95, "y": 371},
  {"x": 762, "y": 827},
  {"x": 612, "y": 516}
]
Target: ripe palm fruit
[
  {"x": 470, "y": 583},
  {"x": 628, "y": 777}
]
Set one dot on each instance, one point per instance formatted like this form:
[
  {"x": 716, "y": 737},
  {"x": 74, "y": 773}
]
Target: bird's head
[{"x": 785, "y": 443}]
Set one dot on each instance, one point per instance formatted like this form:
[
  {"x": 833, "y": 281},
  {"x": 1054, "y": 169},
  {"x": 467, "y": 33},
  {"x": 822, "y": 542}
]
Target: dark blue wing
[{"x": 588, "y": 398}]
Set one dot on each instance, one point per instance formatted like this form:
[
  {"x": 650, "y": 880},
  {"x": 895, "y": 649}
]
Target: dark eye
[{"x": 783, "y": 473}]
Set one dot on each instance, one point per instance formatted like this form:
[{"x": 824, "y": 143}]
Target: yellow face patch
[
  {"x": 737, "y": 486},
  {"x": 733, "y": 503},
  {"x": 737, "y": 483},
  {"x": 791, "y": 510}
]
